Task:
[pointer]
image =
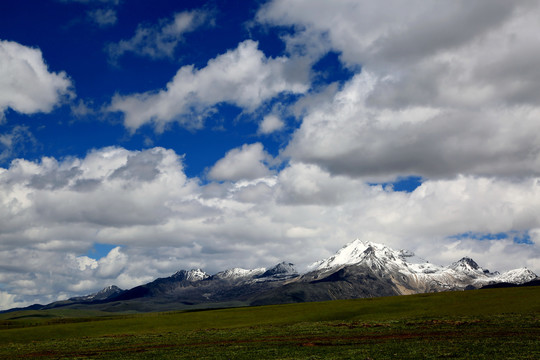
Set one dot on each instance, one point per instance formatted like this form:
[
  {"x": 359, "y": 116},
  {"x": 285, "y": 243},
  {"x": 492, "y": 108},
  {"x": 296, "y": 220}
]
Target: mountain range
[{"x": 358, "y": 270}]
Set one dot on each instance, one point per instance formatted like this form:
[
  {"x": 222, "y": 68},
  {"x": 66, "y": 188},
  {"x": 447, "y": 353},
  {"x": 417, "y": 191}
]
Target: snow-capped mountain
[
  {"x": 356, "y": 252},
  {"x": 370, "y": 253},
  {"x": 282, "y": 270},
  {"x": 359, "y": 269},
  {"x": 468, "y": 266},
  {"x": 238, "y": 273},
  {"x": 517, "y": 276},
  {"x": 412, "y": 274},
  {"x": 191, "y": 275}
]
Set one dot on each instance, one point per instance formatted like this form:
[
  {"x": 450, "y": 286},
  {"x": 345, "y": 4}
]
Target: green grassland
[{"x": 482, "y": 324}]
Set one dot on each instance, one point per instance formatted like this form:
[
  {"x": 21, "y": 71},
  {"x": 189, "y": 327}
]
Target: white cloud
[
  {"x": 7, "y": 301},
  {"x": 355, "y": 139},
  {"x": 113, "y": 264},
  {"x": 160, "y": 40},
  {"x": 52, "y": 212},
  {"x": 26, "y": 85},
  {"x": 85, "y": 262},
  {"x": 444, "y": 88},
  {"x": 270, "y": 124},
  {"x": 244, "y": 77},
  {"x": 245, "y": 163},
  {"x": 390, "y": 33}
]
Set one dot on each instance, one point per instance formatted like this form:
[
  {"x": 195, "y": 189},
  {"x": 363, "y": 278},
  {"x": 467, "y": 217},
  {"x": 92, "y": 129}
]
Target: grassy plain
[{"x": 484, "y": 324}]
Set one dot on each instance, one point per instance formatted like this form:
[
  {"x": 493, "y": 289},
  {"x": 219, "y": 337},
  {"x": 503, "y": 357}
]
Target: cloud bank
[
  {"x": 442, "y": 90},
  {"x": 356, "y": 139},
  {"x": 53, "y": 212}
]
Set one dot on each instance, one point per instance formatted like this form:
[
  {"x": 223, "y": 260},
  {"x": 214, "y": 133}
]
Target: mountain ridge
[{"x": 358, "y": 269}]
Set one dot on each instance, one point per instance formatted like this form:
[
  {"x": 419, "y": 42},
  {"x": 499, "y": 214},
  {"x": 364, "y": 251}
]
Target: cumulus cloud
[
  {"x": 392, "y": 32},
  {"x": 26, "y": 84},
  {"x": 82, "y": 194},
  {"x": 358, "y": 140},
  {"x": 444, "y": 89},
  {"x": 160, "y": 40},
  {"x": 269, "y": 124},
  {"x": 246, "y": 163},
  {"x": 85, "y": 262},
  {"x": 112, "y": 265},
  {"x": 244, "y": 77},
  {"x": 53, "y": 212}
]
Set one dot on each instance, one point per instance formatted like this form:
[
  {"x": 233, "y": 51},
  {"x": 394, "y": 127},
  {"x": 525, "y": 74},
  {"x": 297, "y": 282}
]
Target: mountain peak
[
  {"x": 237, "y": 273},
  {"x": 467, "y": 261},
  {"x": 109, "y": 289},
  {"x": 518, "y": 276},
  {"x": 191, "y": 275},
  {"x": 280, "y": 270},
  {"x": 355, "y": 252},
  {"x": 467, "y": 265},
  {"x": 196, "y": 275}
]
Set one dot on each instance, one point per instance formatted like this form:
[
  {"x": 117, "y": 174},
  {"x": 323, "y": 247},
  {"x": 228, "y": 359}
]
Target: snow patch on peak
[
  {"x": 404, "y": 266},
  {"x": 196, "y": 275},
  {"x": 358, "y": 251},
  {"x": 517, "y": 276},
  {"x": 280, "y": 270},
  {"x": 468, "y": 266},
  {"x": 466, "y": 262},
  {"x": 349, "y": 254},
  {"x": 191, "y": 275},
  {"x": 238, "y": 273}
]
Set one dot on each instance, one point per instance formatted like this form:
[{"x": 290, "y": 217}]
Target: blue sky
[
  {"x": 138, "y": 137},
  {"x": 71, "y": 41}
]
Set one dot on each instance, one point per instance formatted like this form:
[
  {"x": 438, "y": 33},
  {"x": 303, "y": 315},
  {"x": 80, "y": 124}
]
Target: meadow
[{"x": 480, "y": 324}]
